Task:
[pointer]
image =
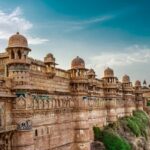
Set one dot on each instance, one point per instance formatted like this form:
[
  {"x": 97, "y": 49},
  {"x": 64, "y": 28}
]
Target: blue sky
[{"x": 113, "y": 33}]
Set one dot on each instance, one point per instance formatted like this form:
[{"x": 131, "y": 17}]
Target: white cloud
[
  {"x": 94, "y": 20},
  {"x": 79, "y": 25},
  {"x": 76, "y": 25},
  {"x": 15, "y": 21},
  {"x": 36, "y": 40},
  {"x": 132, "y": 55},
  {"x": 133, "y": 61}
]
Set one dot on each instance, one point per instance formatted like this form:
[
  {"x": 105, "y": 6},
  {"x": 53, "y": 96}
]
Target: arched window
[
  {"x": 19, "y": 54},
  {"x": 36, "y": 132},
  {"x": 12, "y": 55},
  {"x": 1, "y": 116}
]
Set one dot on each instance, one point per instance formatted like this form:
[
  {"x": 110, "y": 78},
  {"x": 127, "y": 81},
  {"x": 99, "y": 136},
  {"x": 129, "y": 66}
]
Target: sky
[{"x": 105, "y": 33}]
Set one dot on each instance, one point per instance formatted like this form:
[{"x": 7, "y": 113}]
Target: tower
[
  {"x": 79, "y": 88},
  {"x": 128, "y": 95},
  {"x": 110, "y": 93},
  {"x": 18, "y": 69}
]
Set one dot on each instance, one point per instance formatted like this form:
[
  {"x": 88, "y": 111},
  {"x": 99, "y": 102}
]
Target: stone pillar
[
  {"x": 23, "y": 140},
  {"x": 82, "y": 136},
  {"x": 140, "y": 105},
  {"x": 111, "y": 111},
  {"x": 16, "y": 55},
  {"x": 23, "y": 137},
  {"x": 128, "y": 107},
  {"x": 81, "y": 128}
]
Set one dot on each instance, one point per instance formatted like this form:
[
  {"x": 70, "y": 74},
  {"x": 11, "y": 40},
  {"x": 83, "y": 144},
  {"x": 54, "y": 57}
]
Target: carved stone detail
[
  {"x": 20, "y": 102},
  {"x": 26, "y": 125}
]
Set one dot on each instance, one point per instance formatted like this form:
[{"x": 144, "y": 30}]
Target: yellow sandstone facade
[{"x": 43, "y": 107}]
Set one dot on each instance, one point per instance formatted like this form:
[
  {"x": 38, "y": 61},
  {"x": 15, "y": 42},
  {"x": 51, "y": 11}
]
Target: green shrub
[
  {"x": 133, "y": 126},
  {"x": 141, "y": 115},
  {"x": 137, "y": 123},
  {"x": 142, "y": 126},
  {"x": 142, "y": 120},
  {"x": 148, "y": 103},
  {"x": 113, "y": 141}
]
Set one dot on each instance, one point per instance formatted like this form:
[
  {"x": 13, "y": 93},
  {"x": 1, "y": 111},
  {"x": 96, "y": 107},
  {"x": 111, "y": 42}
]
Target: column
[{"x": 23, "y": 138}]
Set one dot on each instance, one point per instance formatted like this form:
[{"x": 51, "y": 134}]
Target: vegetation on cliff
[{"x": 121, "y": 134}]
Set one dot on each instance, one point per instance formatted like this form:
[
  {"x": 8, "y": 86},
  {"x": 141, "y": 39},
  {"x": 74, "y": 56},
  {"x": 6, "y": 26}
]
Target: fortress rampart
[{"x": 43, "y": 107}]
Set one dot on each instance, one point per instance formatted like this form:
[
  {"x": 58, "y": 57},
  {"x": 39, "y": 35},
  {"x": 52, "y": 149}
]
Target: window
[
  {"x": 1, "y": 116},
  {"x": 12, "y": 55},
  {"x": 19, "y": 54},
  {"x": 36, "y": 132}
]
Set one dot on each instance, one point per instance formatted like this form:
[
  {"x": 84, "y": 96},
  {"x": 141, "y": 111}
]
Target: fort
[{"x": 43, "y": 107}]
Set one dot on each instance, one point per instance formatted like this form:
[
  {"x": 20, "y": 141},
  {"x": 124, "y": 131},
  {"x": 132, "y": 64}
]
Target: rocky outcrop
[{"x": 128, "y": 133}]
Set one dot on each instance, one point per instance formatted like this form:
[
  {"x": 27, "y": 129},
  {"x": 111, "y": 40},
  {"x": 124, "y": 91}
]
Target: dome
[
  {"x": 108, "y": 72},
  {"x": 49, "y": 58},
  {"x": 77, "y": 63},
  {"x": 125, "y": 79},
  {"x": 17, "y": 40},
  {"x": 91, "y": 72},
  {"x": 137, "y": 83},
  {"x": 50, "y": 55}
]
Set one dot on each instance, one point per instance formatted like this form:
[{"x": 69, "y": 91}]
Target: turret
[
  {"x": 18, "y": 64},
  {"x": 18, "y": 48},
  {"x": 78, "y": 72},
  {"x": 91, "y": 74},
  {"x": 49, "y": 61},
  {"x": 110, "y": 84}
]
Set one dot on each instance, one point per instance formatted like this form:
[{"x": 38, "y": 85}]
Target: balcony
[
  {"x": 79, "y": 79},
  {"x": 110, "y": 85},
  {"x": 8, "y": 128}
]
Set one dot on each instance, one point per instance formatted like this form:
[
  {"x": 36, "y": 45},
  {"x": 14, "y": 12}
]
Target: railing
[
  {"x": 19, "y": 61},
  {"x": 110, "y": 85},
  {"x": 3, "y": 54}
]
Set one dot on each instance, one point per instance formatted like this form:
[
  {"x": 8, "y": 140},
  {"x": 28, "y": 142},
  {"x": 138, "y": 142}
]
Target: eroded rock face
[
  {"x": 97, "y": 146},
  {"x": 140, "y": 143}
]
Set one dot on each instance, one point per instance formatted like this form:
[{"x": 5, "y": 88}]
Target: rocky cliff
[{"x": 128, "y": 133}]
